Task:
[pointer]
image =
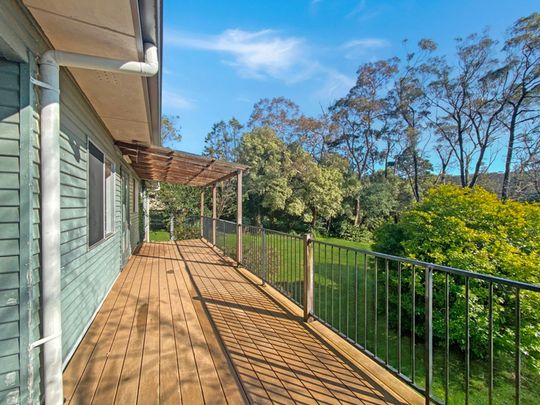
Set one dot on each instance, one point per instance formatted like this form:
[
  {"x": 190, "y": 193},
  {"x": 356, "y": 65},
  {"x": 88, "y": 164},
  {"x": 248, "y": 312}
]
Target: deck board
[{"x": 183, "y": 325}]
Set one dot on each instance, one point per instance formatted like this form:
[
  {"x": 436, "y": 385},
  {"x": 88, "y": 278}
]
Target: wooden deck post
[
  {"x": 239, "y": 217},
  {"x": 308, "y": 277},
  {"x": 214, "y": 213},
  {"x": 202, "y": 213},
  {"x": 146, "y": 211},
  {"x": 171, "y": 227}
]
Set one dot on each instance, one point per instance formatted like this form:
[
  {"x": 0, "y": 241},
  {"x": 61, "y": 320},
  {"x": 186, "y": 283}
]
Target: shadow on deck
[{"x": 183, "y": 325}]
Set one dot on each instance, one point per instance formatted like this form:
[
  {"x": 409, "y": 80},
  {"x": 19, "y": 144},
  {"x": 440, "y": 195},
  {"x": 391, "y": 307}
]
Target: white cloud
[
  {"x": 335, "y": 85},
  {"x": 176, "y": 101},
  {"x": 358, "y": 48},
  {"x": 256, "y": 54}
]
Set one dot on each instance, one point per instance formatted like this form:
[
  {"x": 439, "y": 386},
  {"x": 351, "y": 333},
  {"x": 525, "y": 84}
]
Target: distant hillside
[{"x": 522, "y": 188}]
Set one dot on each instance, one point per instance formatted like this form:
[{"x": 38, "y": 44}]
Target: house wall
[{"x": 87, "y": 272}]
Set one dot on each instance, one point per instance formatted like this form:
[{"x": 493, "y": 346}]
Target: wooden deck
[{"x": 183, "y": 325}]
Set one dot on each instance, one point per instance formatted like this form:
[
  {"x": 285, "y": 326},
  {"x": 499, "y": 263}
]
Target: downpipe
[{"x": 49, "y": 68}]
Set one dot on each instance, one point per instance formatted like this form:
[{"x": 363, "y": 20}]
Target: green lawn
[
  {"x": 350, "y": 295},
  {"x": 159, "y": 236}
]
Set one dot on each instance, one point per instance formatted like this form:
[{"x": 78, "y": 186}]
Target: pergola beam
[{"x": 168, "y": 165}]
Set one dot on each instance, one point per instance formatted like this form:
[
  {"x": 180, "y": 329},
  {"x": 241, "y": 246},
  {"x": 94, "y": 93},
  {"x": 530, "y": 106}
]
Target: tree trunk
[
  {"x": 357, "y": 211},
  {"x": 416, "y": 181},
  {"x": 509, "y": 154}
]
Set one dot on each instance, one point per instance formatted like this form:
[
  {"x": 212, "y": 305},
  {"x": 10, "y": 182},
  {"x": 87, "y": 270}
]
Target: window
[
  {"x": 135, "y": 196},
  {"x": 109, "y": 197},
  {"x": 100, "y": 195}
]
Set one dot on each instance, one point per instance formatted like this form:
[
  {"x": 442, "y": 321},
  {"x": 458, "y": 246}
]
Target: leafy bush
[
  {"x": 355, "y": 233},
  {"x": 473, "y": 230}
]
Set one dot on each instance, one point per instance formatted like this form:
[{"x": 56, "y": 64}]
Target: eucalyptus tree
[
  {"x": 279, "y": 114},
  {"x": 170, "y": 130},
  {"x": 522, "y": 90},
  {"x": 466, "y": 104},
  {"x": 222, "y": 142},
  {"x": 410, "y": 107},
  {"x": 361, "y": 119}
]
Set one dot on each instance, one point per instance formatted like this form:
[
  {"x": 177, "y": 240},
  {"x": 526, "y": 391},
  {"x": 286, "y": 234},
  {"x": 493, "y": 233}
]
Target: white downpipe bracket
[{"x": 50, "y": 196}]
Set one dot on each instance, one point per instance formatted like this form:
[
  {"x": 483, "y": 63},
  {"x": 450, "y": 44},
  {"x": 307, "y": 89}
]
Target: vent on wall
[{"x": 107, "y": 77}]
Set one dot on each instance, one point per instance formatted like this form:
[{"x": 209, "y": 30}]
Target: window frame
[{"x": 106, "y": 158}]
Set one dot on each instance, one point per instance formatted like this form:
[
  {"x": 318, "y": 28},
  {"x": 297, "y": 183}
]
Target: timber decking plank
[
  {"x": 83, "y": 354},
  {"x": 169, "y": 377},
  {"x": 149, "y": 381},
  {"x": 183, "y": 325},
  {"x": 211, "y": 388},
  {"x": 112, "y": 372},
  {"x": 129, "y": 383},
  {"x": 226, "y": 374},
  {"x": 189, "y": 378}
]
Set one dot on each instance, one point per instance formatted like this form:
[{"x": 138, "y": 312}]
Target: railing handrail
[{"x": 446, "y": 269}]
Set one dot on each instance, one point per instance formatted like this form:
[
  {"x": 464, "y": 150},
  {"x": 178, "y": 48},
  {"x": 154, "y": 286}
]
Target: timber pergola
[{"x": 156, "y": 163}]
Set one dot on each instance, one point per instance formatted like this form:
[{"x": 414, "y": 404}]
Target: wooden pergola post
[
  {"x": 202, "y": 213},
  {"x": 146, "y": 212},
  {"x": 214, "y": 212},
  {"x": 239, "y": 217}
]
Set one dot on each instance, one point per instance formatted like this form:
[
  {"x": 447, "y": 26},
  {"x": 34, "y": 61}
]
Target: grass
[
  {"x": 159, "y": 236},
  {"x": 350, "y": 299}
]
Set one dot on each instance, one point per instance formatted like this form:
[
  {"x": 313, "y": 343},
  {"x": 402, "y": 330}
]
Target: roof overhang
[
  {"x": 168, "y": 165},
  {"x": 129, "y": 106}
]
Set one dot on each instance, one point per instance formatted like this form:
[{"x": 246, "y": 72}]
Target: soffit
[{"x": 108, "y": 28}]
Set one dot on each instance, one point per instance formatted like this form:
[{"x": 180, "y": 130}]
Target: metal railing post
[
  {"x": 308, "y": 277},
  {"x": 264, "y": 256},
  {"x": 428, "y": 342}
]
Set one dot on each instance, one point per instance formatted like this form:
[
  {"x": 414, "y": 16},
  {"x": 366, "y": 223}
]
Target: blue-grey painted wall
[{"x": 87, "y": 272}]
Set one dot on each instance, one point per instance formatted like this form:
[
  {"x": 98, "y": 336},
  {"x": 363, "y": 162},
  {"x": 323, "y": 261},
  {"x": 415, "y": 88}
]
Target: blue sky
[{"x": 220, "y": 57}]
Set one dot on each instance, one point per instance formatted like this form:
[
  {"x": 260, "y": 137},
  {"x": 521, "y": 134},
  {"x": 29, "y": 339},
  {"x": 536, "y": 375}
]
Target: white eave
[{"x": 129, "y": 106}]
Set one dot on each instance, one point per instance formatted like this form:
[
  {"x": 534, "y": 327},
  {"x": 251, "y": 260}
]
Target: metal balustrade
[{"x": 399, "y": 311}]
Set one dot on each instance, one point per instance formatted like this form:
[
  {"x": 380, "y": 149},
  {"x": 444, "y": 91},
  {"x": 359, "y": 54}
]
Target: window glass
[
  {"x": 135, "y": 195},
  {"x": 109, "y": 197},
  {"x": 95, "y": 195}
]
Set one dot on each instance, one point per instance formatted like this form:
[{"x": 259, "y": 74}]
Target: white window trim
[
  {"x": 106, "y": 235},
  {"x": 113, "y": 180}
]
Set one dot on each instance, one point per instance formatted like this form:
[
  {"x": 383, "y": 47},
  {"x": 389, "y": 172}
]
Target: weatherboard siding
[
  {"x": 87, "y": 272},
  {"x": 9, "y": 232}
]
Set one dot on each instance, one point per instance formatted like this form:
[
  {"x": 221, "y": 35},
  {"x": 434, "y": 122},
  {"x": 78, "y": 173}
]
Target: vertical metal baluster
[
  {"x": 490, "y": 336},
  {"x": 518, "y": 346},
  {"x": 333, "y": 323},
  {"x": 347, "y": 301},
  {"x": 428, "y": 345},
  {"x": 340, "y": 290},
  {"x": 376, "y": 307},
  {"x": 413, "y": 324},
  {"x": 399, "y": 319},
  {"x": 387, "y": 287},
  {"x": 447, "y": 339},
  {"x": 467, "y": 342},
  {"x": 319, "y": 278},
  {"x": 326, "y": 286},
  {"x": 365, "y": 300},
  {"x": 356, "y": 296}
]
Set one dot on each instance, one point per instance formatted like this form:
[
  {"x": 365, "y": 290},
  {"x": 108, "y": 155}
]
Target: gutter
[{"x": 50, "y": 195}]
